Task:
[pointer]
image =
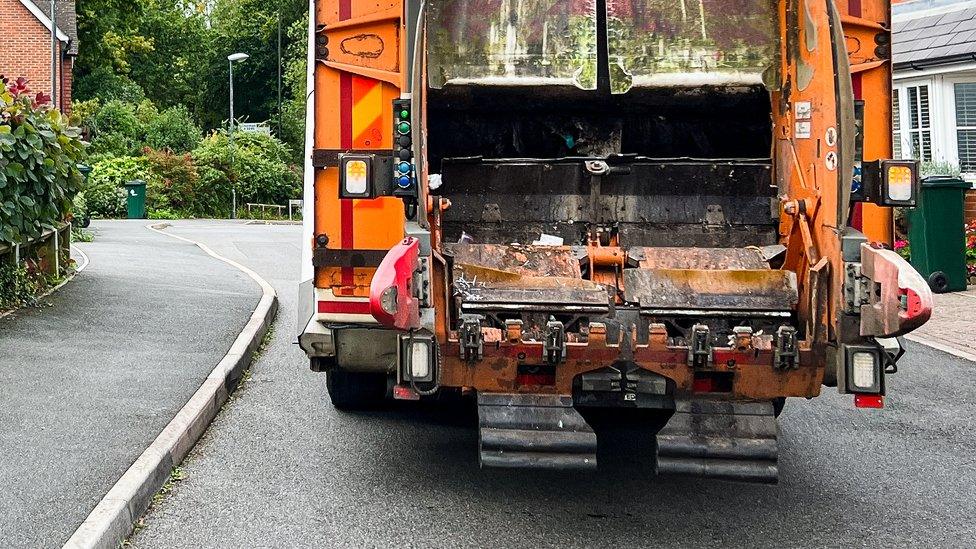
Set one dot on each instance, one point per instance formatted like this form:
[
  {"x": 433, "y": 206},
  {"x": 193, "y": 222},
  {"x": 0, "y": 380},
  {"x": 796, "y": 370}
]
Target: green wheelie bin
[
  {"x": 135, "y": 192},
  {"x": 937, "y": 234}
]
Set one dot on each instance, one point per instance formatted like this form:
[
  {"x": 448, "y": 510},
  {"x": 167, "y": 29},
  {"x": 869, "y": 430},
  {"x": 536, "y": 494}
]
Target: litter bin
[
  {"x": 937, "y": 234},
  {"x": 135, "y": 192}
]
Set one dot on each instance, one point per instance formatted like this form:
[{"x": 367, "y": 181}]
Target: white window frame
[
  {"x": 951, "y": 130},
  {"x": 942, "y": 108},
  {"x": 936, "y": 114}
]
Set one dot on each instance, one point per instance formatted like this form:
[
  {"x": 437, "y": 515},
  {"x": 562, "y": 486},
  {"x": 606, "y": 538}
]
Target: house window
[
  {"x": 966, "y": 125},
  {"x": 918, "y": 133}
]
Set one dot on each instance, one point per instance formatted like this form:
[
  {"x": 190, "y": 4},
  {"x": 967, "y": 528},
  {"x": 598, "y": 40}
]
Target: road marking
[{"x": 115, "y": 516}]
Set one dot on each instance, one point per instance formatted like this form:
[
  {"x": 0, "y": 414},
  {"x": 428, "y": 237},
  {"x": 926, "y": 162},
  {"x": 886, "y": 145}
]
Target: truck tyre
[
  {"x": 778, "y": 405},
  {"x": 355, "y": 390}
]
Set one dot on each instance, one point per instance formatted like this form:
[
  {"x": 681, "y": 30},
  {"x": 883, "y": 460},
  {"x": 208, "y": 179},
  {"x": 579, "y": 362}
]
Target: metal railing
[
  {"x": 51, "y": 250},
  {"x": 293, "y": 207}
]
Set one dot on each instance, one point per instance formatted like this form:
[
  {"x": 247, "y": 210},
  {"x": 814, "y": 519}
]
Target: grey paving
[
  {"x": 89, "y": 381},
  {"x": 281, "y": 468}
]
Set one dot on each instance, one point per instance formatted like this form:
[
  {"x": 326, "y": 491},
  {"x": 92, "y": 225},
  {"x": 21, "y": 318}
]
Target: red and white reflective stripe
[{"x": 330, "y": 308}]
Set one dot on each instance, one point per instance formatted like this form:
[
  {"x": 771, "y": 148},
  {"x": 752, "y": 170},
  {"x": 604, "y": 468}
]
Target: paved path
[
  {"x": 87, "y": 383},
  {"x": 281, "y": 468},
  {"x": 953, "y": 322}
]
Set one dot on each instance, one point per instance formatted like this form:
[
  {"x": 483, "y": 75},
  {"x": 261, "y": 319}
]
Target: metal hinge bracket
[
  {"x": 700, "y": 347},
  {"x": 786, "y": 356},
  {"x": 470, "y": 338},
  {"x": 857, "y": 289},
  {"x": 555, "y": 342}
]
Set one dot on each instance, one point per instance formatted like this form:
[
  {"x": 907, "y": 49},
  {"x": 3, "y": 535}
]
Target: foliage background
[
  {"x": 39, "y": 157},
  {"x": 151, "y": 94}
]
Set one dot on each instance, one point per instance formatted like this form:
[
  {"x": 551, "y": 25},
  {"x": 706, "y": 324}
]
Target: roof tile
[{"x": 935, "y": 36}]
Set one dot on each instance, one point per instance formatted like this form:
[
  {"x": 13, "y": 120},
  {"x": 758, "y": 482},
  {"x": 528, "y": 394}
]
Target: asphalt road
[
  {"x": 87, "y": 382},
  {"x": 281, "y": 468}
]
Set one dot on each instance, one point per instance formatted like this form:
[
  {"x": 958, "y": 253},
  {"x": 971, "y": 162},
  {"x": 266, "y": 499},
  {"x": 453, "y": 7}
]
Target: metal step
[
  {"x": 721, "y": 440},
  {"x": 534, "y": 431}
]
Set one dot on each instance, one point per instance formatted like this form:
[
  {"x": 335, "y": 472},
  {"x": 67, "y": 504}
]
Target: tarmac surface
[
  {"x": 88, "y": 380},
  {"x": 281, "y": 468}
]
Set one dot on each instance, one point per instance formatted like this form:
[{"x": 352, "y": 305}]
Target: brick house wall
[
  {"x": 970, "y": 206},
  {"x": 26, "y": 51}
]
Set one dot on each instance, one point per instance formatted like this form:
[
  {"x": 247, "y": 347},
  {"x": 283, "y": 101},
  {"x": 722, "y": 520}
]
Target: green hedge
[{"x": 39, "y": 157}]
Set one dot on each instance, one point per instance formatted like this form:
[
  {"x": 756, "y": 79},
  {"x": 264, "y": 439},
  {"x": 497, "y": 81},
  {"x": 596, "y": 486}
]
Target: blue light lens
[
  {"x": 404, "y": 182},
  {"x": 404, "y": 167}
]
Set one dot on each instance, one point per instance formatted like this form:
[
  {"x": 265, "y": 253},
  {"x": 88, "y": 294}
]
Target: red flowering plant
[
  {"x": 903, "y": 248},
  {"x": 971, "y": 248},
  {"x": 39, "y": 156}
]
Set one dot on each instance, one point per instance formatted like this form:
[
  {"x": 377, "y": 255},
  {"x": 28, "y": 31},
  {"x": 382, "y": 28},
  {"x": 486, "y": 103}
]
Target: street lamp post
[
  {"x": 233, "y": 187},
  {"x": 54, "y": 54}
]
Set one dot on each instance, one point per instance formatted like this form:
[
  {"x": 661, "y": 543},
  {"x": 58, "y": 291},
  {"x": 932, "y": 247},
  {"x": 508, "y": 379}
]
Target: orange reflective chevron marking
[{"x": 367, "y": 112}]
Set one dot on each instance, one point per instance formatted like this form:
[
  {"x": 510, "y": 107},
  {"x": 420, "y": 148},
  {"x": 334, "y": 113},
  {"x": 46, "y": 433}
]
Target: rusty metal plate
[
  {"x": 711, "y": 290},
  {"x": 531, "y": 294},
  {"x": 490, "y": 277},
  {"x": 519, "y": 259},
  {"x": 700, "y": 258}
]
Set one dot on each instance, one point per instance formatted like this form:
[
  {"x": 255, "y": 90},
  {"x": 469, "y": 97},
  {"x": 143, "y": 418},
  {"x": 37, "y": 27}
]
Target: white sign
[
  {"x": 803, "y": 130},
  {"x": 254, "y": 127}
]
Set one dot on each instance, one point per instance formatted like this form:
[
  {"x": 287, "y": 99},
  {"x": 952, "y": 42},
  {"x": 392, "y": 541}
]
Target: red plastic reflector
[
  {"x": 703, "y": 385},
  {"x": 544, "y": 380},
  {"x": 868, "y": 401},
  {"x": 344, "y": 307},
  {"x": 404, "y": 392}
]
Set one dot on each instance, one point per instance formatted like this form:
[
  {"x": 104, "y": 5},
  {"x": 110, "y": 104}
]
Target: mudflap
[
  {"x": 720, "y": 440},
  {"x": 534, "y": 431}
]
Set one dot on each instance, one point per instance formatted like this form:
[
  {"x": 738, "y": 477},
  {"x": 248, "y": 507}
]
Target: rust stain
[{"x": 369, "y": 46}]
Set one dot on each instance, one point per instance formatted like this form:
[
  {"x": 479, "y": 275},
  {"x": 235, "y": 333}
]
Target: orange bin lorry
[{"x": 583, "y": 211}]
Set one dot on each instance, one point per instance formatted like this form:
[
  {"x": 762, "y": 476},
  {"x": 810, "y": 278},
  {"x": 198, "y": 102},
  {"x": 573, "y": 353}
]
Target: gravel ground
[
  {"x": 88, "y": 380},
  {"x": 281, "y": 468}
]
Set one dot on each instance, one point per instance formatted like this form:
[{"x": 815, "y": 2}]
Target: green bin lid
[
  {"x": 135, "y": 183},
  {"x": 945, "y": 182}
]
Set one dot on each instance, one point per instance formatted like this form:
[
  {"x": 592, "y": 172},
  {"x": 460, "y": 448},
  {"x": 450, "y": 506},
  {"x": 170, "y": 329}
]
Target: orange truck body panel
[
  {"x": 871, "y": 78},
  {"x": 356, "y": 81}
]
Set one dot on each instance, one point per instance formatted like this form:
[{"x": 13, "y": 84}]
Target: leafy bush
[
  {"x": 80, "y": 216},
  {"x": 81, "y": 235},
  {"x": 213, "y": 197},
  {"x": 939, "y": 168},
  {"x": 116, "y": 129},
  {"x": 19, "y": 285},
  {"x": 173, "y": 183},
  {"x": 165, "y": 214},
  {"x": 971, "y": 249},
  {"x": 145, "y": 112},
  {"x": 83, "y": 114},
  {"x": 39, "y": 156},
  {"x": 260, "y": 166},
  {"x": 105, "y": 193},
  {"x": 108, "y": 85},
  {"x": 173, "y": 130}
]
